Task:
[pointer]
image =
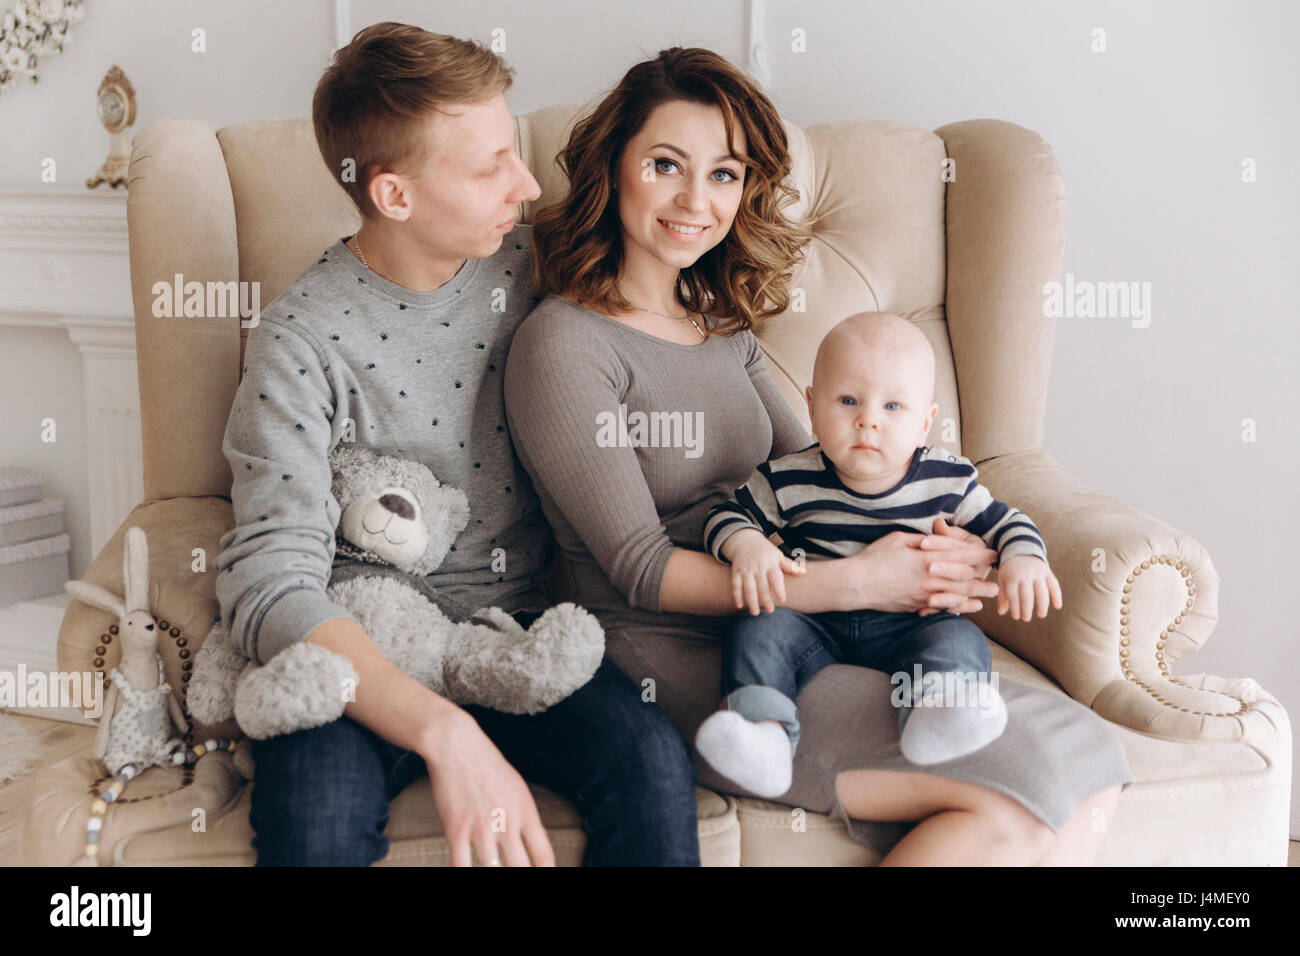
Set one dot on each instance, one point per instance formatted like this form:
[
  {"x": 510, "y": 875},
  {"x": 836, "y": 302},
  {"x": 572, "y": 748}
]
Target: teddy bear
[{"x": 396, "y": 525}]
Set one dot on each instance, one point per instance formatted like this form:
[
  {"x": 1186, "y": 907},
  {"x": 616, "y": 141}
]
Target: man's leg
[
  {"x": 320, "y": 796},
  {"x": 619, "y": 759}
]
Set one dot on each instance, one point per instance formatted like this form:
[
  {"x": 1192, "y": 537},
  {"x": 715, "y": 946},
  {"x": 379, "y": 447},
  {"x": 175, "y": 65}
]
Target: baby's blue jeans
[{"x": 768, "y": 658}]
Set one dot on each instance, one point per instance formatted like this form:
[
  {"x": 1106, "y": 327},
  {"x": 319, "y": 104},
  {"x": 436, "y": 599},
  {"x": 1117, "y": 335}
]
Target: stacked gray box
[{"x": 33, "y": 547}]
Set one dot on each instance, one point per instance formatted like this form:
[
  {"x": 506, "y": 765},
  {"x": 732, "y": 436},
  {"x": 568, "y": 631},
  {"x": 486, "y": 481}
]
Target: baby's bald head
[{"x": 888, "y": 338}]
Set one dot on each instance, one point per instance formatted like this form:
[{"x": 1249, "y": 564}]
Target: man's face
[
  {"x": 678, "y": 186},
  {"x": 466, "y": 195}
]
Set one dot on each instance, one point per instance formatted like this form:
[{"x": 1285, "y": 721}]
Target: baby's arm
[
  {"x": 758, "y": 570},
  {"x": 736, "y": 532},
  {"x": 1025, "y": 580}
]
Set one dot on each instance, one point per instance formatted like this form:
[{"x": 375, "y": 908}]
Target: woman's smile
[{"x": 682, "y": 231}]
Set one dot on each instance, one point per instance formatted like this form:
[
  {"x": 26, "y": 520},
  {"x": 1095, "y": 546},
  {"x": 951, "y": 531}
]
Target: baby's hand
[
  {"x": 1025, "y": 582},
  {"x": 757, "y": 570}
]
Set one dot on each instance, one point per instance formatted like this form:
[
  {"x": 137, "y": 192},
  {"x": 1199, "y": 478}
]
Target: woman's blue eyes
[{"x": 669, "y": 162}]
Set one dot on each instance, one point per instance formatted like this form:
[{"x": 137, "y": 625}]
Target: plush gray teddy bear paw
[
  {"x": 523, "y": 672},
  {"x": 217, "y": 666},
  {"x": 303, "y": 686}
]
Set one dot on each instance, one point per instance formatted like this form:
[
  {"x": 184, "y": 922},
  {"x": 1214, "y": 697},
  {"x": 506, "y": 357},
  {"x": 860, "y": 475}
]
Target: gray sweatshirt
[{"x": 344, "y": 354}]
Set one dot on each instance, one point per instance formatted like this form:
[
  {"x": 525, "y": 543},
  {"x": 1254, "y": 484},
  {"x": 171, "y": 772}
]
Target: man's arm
[
  {"x": 472, "y": 782},
  {"x": 271, "y": 580},
  {"x": 275, "y": 562}
]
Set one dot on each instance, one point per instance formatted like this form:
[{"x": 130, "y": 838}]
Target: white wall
[
  {"x": 40, "y": 378},
  {"x": 1151, "y": 135}
]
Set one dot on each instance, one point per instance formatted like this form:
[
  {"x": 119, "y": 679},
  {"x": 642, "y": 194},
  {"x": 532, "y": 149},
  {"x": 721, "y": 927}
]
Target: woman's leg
[
  {"x": 1079, "y": 839},
  {"x": 961, "y": 823}
]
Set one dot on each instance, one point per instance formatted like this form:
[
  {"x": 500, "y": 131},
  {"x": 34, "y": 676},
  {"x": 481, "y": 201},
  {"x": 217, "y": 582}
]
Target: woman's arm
[
  {"x": 788, "y": 432},
  {"x": 901, "y": 572},
  {"x": 559, "y": 379}
]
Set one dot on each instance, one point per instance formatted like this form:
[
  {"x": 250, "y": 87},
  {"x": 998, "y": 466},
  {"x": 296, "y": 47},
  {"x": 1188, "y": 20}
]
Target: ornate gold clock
[{"x": 116, "y": 106}]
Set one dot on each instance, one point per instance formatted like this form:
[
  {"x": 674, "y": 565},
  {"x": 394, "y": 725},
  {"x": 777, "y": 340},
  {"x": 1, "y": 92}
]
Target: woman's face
[{"x": 678, "y": 185}]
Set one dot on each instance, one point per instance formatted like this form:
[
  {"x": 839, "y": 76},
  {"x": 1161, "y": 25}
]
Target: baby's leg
[
  {"x": 766, "y": 661},
  {"x": 954, "y": 706}
]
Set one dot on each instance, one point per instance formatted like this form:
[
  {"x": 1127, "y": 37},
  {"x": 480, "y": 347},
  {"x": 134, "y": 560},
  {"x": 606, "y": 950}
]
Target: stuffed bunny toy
[
  {"x": 140, "y": 711},
  {"x": 479, "y": 657}
]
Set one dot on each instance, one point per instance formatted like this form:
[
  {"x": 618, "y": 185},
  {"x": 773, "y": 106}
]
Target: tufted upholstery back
[{"x": 963, "y": 259}]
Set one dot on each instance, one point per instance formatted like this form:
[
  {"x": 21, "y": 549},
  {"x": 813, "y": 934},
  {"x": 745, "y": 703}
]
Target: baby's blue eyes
[
  {"x": 850, "y": 400},
  {"x": 659, "y": 163}
]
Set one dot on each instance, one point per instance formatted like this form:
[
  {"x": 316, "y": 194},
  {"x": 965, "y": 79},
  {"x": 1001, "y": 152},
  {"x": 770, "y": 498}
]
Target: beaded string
[{"x": 182, "y": 755}]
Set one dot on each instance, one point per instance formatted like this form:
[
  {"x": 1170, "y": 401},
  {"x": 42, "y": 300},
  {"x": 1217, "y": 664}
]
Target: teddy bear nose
[{"x": 397, "y": 505}]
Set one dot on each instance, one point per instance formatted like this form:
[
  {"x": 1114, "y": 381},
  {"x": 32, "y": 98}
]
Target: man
[{"x": 397, "y": 338}]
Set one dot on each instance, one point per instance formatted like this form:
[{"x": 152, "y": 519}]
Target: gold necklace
[
  {"x": 357, "y": 239},
  {"x": 675, "y": 318}
]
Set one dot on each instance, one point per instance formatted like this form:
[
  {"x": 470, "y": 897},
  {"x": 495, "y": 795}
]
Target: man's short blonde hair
[{"x": 370, "y": 103}]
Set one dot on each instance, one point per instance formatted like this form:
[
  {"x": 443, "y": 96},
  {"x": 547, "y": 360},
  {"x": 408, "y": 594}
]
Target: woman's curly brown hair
[{"x": 578, "y": 244}]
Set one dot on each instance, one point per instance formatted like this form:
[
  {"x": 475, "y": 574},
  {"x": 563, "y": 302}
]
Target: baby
[{"x": 872, "y": 404}]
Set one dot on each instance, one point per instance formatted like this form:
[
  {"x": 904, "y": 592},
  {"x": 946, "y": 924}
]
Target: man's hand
[
  {"x": 758, "y": 570},
  {"x": 1025, "y": 582},
  {"x": 482, "y": 800}
]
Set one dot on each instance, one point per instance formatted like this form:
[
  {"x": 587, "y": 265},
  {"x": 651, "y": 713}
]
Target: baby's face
[{"x": 871, "y": 407}]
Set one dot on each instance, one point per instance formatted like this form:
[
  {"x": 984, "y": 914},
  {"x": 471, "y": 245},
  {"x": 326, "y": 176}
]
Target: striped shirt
[{"x": 798, "y": 501}]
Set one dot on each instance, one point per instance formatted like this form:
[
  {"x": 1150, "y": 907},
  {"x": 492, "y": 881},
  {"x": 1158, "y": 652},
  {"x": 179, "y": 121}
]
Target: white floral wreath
[{"x": 32, "y": 29}]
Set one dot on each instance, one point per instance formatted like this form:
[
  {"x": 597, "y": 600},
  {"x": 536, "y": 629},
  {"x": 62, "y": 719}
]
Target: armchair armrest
[
  {"x": 182, "y": 594},
  {"x": 1138, "y": 595}
]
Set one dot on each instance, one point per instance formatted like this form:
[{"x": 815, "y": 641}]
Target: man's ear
[{"x": 391, "y": 194}]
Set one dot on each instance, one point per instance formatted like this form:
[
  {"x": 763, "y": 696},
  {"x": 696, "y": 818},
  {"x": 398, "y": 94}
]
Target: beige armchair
[{"x": 965, "y": 260}]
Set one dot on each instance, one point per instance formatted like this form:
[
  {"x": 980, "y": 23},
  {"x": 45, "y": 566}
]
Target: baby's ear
[{"x": 929, "y": 422}]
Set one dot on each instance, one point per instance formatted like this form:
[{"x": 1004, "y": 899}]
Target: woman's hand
[
  {"x": 981, "y": 571},
  {"x": 902, "y": 573}
]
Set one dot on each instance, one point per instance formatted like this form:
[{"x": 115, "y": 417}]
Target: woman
[{"x": 637, "y": 397}]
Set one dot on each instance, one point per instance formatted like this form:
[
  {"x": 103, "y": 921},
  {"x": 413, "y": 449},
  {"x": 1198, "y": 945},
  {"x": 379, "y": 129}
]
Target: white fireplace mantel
[{"x": 64, "y": 264}]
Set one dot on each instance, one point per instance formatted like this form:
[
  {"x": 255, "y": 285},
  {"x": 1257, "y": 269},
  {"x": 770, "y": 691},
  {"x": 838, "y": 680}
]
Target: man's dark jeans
[{"x": 320, "y": 797}]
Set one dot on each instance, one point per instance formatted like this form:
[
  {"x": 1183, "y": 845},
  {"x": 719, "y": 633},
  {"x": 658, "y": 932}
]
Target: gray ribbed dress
[{"x": 622, "y": 491}]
